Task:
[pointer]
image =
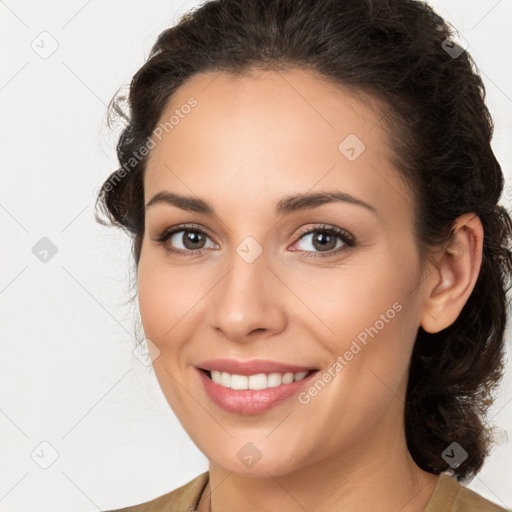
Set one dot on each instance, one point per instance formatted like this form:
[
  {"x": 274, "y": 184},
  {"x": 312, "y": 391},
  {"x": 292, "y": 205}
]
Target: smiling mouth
[{"x": 255, "y": 382}]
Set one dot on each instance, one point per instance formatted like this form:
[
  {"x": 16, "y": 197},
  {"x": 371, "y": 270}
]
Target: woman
[{"x": 322, "y": 264}]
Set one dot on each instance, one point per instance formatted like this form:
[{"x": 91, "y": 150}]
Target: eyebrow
[{"x": 284, "y": 206}]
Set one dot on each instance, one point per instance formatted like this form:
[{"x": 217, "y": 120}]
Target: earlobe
[{"x": 451, "y": 282}]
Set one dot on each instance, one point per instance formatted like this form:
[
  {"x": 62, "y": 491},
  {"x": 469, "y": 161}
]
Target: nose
[{"x": 248, "y": 303}]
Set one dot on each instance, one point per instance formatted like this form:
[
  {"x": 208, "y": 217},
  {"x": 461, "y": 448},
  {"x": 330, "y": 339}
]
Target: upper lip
[{"x": 252, "y": 367}]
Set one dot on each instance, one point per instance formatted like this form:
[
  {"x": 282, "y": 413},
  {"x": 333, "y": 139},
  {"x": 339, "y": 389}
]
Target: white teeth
[
  {"x": 300, "y": 375},
  {"x": 287, "y": 378},
  {"x": 274, "y": 379},
  {"x": 239, "y": 382},
  {"x": 258, "y": 381},
  {"x": 225, "y": 379}
]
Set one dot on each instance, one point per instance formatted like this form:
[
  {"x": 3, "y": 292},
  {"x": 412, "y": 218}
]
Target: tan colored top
[{"x": 449, "y": 496}]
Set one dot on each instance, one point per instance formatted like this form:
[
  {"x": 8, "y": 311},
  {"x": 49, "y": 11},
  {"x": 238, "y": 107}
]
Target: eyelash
[{"x": 344, "y": 235}]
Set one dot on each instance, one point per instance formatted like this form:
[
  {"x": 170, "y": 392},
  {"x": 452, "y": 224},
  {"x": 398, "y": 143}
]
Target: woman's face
[{"x": 260, "y": 278}]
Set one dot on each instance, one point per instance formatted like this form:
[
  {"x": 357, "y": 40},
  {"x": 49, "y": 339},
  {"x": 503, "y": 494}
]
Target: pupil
[
  {"x": 324, "y": 239},
  {"x": 192, "y": 237}
]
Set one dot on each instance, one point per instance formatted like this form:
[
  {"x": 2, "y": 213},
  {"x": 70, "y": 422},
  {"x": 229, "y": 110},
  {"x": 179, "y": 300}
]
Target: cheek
[
  {"x": 162, "y": 301},
  {"x": 171, "y": 301},
  {"x": 149, "y": 292},
  {"x": 370, "y": 315},
  {"x": 376, "y": 294},
  {"x": 374, "y": 328}
]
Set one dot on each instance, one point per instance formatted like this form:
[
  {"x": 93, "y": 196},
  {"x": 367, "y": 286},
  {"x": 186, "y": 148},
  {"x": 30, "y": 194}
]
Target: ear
[{"x": 452, "y": 280}]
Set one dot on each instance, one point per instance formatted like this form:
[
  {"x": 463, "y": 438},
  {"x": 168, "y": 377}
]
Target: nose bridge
[{"x": 246, "y": 299}]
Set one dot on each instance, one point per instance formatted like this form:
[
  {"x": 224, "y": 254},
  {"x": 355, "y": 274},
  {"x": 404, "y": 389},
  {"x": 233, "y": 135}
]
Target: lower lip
[{"x": 250, "y": 401}]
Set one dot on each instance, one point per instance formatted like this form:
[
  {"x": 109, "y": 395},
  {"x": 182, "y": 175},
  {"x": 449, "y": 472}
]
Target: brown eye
[
  {"x": 324, "y": 241},
  {"x": 190, "y": 239},
  {"x": 184, "y": 240}
]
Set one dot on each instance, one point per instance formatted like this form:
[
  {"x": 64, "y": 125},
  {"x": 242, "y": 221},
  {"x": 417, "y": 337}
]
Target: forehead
[{"x": 274, "y": 133}]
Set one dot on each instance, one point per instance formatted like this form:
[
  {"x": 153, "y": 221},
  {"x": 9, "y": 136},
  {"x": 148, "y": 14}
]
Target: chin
[{"x": 259, "y": 459}]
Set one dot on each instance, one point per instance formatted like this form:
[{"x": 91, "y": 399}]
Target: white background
[{"x": 67, "y": 373}]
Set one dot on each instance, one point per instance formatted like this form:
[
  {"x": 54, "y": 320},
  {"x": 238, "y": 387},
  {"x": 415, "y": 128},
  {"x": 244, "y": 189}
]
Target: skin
[{"x": 251, "y": 140}]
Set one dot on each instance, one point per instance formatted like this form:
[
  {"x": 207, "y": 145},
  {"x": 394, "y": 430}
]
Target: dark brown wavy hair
[{"x": 401, "y": 53}]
